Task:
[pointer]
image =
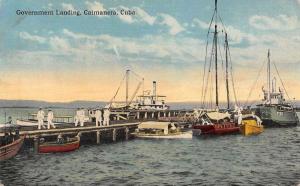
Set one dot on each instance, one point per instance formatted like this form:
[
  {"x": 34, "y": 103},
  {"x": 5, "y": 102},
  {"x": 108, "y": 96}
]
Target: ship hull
[
  {"x": 272, "y": 116},
  {"x": 251, "y": 128},
  {"x": 53, "y": 147},
  {"x": 215, "y": 129},
  {"x": 10, "y": 150}
]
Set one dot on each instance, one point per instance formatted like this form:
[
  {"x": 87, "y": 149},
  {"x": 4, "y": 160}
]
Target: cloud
[
  {"x": 144, "y": 16},
  {"x": 149, "y": 46},
  {"x": 200, "y": 24},
  {"x": 281, "y": 22},
  {"x": 125, "y": 18},
  {"x": 172, "y": 23},
  {"x": 59, "y": 44},
  {"x": 27, "y": 36},
  {"x": 235, "y": 35},
  {"x": 67, "y": 6},
  {"x": 95, "y": 6}
]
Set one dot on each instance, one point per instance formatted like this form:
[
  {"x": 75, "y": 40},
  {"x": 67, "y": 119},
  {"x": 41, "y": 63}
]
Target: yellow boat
[{"x": 251, "y": 124}]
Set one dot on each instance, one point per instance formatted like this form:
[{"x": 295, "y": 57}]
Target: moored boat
[
  {"x": 215, "y": 123},
  {"x": 251, "y": 124},
  {"x": 10, "y": 143},
  {"x": 161, "y": 130},
  {"x": 275, "y": 111},
  {"x": 70, "y": 144}
]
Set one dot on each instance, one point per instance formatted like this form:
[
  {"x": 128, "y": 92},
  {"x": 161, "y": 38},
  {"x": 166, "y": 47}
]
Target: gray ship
[{"x": 275, "y": 111}]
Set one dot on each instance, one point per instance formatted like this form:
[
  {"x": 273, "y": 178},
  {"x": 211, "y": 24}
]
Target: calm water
[{"x": 271, "y": 158}]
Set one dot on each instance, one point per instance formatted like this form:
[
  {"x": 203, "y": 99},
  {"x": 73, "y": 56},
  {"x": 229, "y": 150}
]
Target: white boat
[
  {"x": 161, "y": 130},
  {"x": 32, "y": 122}
]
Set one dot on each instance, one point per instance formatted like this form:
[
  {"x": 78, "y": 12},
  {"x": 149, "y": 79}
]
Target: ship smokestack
[{"x": 154, "y": 89}]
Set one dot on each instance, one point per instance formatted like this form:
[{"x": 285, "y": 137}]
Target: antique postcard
[{"x": 149, "y": 92}]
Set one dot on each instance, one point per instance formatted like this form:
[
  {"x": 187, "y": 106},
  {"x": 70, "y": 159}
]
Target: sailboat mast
[
  {"x": 227, "y": 83},
  {"x": 216, "y": 53},
  {"x": 269, "y": 77}
]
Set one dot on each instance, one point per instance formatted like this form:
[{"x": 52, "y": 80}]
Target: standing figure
[
  {"x": 81, "y": 117},
  {"x": 40, "y": 117},
  {"x": 77, "y": 116},
  {"x": 50, "y": 117},
  {"x": 106, "y": 115},
  {"x": 98, "y": 116}
]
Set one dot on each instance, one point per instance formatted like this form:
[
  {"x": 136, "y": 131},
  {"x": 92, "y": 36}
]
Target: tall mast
[
  {"x": 127, "y": 85},
  {"x": 216, "y": 53},
  {"x": 269, "y": 77},
  {"x": 227, "y": 84}
]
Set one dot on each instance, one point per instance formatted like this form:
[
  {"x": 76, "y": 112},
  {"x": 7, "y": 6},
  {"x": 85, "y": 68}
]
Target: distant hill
[
  {"x": 93, "y": 104},
  {"x": 44, "y": 104}
]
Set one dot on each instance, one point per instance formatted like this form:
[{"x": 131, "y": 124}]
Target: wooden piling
[
  {"x": 126, "y": 133},
  {"x": 114, "y": 135},
  {"x": 98, "y": 136},
  {"x": 36, "y": 141}
]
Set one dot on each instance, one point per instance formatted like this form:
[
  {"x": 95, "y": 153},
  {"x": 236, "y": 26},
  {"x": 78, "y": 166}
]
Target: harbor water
[{"x": 271, "y": 158}]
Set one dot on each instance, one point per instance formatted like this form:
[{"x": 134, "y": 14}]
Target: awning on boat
[
  {"x": 153, "y": 125},
  {"x": 217, "y": 115}
]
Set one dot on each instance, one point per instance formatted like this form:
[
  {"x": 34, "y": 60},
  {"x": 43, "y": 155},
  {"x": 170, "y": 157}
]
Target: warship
[{"x": 275, "y": 111}]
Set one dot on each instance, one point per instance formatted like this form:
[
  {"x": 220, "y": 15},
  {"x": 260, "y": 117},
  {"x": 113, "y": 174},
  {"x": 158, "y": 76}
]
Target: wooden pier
[{"x": 88, "y": 133}]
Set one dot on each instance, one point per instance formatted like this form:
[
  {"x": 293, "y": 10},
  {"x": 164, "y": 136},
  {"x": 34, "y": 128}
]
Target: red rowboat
[
  {"x": 216, "y": 129},
  {"x": 50, "y": 147},
  {"x": 11, "y": 149}
]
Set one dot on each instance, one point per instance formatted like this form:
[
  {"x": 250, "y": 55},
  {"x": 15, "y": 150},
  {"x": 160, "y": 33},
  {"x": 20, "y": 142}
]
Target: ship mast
[
  {"x": 269, "y": 78},
  {"x": 216, "y": 53},
  {"x": 227, "y": 83},
  {"x": 127, "y": 85}
]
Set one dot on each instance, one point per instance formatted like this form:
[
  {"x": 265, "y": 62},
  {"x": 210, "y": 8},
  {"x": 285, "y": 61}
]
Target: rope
[
  {"x": 281, "y": 81},
  {"x": 232, "y": 79},
  {"x": 113, "y": 98},
  {"x": 205, "y": 60},
  {"x": 255, "y": 82}
]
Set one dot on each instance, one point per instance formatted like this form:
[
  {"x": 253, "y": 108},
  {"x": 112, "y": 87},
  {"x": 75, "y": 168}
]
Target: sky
[{"x": 66, "y": 58}]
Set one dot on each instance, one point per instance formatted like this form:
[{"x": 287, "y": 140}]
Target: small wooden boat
[
  {"x": 11, "y": 149},
  {"x": 70, "y": 144},
  {"x": 161, "y": 130},
  {"x": 251, "y": 124}
]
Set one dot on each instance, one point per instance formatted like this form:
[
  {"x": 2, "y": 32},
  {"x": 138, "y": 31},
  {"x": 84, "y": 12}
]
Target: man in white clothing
[
  {"x": 50, "y": 117},
  {"x": 106, "y": 115},
  {"x": 81, "y": 117},
  {"x": 40, "y": 117},
  {"x": 98, "y": 116},
  {"x": 76, "y": 118}
]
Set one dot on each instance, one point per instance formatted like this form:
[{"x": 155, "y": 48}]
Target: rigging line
[
  {"x": 255, "y": 82},
  {"x": 281, "y": 80},
  {"x": 205, "y": 60},
  {"x": 232, "y": 79},
  {"x": 117, "y": 90},
  {"x": 209, "y": 71},
  {"x": 222, "y": 23},
  {"x": 221, "y": 56}
]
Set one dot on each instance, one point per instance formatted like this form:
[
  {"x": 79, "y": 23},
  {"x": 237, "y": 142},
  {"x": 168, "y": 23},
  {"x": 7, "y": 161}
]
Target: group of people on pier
[
  {"x": 40, "y": 117},
  {"x": 102, "y": 117},
  {"x": 102, "y": 121}
]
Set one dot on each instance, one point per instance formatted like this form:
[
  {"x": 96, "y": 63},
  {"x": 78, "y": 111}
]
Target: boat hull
[
  {"x": 215, "y": 129},
  {"x": 182, "y": 135},
  {"x": 272, "y": 116},
  {"x": 30, "y": 123},
  {"x": 55, "y": 147},
  {"x": 250, "y": 127},
  {"x": 10, "y": 150}
]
